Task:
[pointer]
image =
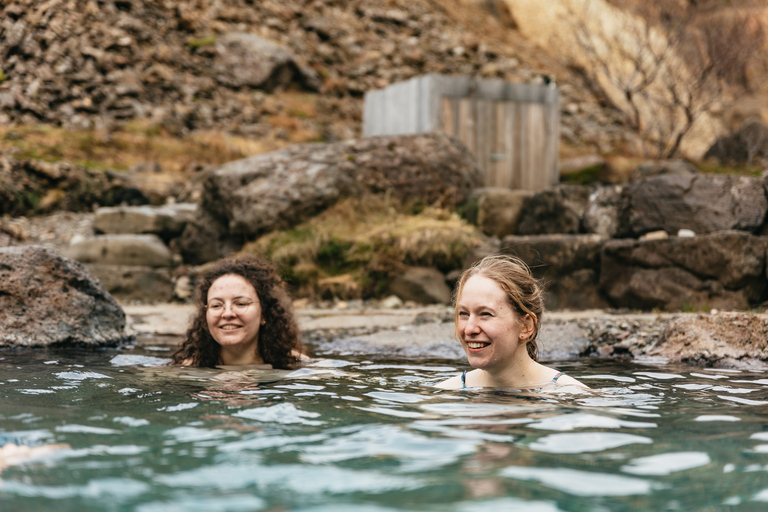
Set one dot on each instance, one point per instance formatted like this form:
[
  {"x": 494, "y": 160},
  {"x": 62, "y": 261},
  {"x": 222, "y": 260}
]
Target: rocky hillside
[
  {"x": 116, "y": 76},
  {"x": 203, "y": 65}
]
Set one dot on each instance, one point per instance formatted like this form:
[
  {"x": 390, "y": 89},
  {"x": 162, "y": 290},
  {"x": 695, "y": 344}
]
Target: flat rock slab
[
  {"x": 126, "y": 250},
  {"x": 159, "y": 319},
  {"x": 46, "y": 299},
  {"x": 164, "y": 221}
]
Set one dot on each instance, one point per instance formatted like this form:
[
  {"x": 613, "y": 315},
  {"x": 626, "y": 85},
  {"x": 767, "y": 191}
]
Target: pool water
[{"x": 373, "y": 435}]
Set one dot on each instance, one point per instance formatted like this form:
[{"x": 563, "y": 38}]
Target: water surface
[{"x": 373, "y": 435}]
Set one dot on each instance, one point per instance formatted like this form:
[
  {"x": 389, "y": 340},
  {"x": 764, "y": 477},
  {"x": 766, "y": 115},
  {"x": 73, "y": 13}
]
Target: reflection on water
[{"x": 365, "y": 435}]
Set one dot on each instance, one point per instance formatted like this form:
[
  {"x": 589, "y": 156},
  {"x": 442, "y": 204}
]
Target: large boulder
[
  {"x": 724, "y": 270},
  {"x": 703, "y": 203},
  {"x": 49, "y": 300},
  {"x": 247, "y": 198},
  {"x": 730, "y": 340},
  {"x": 559, "y": 209}
]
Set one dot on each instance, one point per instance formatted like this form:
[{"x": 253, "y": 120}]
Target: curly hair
[
  {"x": 278, "y": 341},
  {"x": 516, "y": 280}
]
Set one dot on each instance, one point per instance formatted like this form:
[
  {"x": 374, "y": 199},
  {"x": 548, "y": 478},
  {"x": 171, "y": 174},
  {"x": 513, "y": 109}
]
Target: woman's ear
[{"x": 527, "y": 327}]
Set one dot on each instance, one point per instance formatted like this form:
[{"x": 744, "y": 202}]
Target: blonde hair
[{"x": 516, "y": 280}]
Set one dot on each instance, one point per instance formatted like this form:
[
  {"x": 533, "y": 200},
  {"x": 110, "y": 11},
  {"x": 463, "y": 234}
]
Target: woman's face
[
  {"x": 489, "y": 328},
  {"x": 234, "y": 312}
]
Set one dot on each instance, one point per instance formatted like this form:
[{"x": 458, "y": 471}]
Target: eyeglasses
[{"x": 238, "y": 307}]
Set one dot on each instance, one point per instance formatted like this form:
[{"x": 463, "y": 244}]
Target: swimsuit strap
[
  {"x": 464, "y": 379},
  {"x": 557, "y": 376}
]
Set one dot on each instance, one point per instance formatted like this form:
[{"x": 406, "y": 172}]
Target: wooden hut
[{"x": 512, "y": 129}]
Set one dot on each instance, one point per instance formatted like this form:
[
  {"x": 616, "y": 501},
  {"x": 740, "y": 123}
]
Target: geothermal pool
[{"x": 363, "y": 434}]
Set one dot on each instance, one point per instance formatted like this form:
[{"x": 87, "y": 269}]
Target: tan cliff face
[{"x": 616, "y": 37}]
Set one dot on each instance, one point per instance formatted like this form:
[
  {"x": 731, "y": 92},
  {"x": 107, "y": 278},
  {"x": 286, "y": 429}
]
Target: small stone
[
  {"x": 183, "y": 288},
  {"x": 605, "y": 350},
  {"x": 685, "y": 233},
  {"x": 654, "y": 235},
  {"x": 392, "y": 302}
]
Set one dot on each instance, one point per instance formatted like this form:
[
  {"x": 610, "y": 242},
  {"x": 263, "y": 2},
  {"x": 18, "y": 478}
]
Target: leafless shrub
[{"x": 669, "y": 64}]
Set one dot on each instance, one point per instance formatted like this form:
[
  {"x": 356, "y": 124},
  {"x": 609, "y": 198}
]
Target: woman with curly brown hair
[{"x": 244, "y": 317}]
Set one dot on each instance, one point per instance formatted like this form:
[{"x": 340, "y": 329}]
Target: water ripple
[
  {"x": 583, "y": 442},
  {"x": 582, "y": 483}
]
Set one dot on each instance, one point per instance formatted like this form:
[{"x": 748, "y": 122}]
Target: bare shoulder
[
  {"x": 185, "y": 362},
  {"x": 566, "y": 380},
  {"x": 452, "y": 383},
  {"x": 299, "y": 355}
]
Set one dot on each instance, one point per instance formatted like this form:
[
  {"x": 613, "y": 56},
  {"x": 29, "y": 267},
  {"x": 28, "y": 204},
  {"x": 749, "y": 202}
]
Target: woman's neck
[
  {"x": 244, "y": 356},
  {"x": 523, "y": 373}
]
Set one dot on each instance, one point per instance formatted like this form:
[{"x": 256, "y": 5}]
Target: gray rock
[
  {"x": 135, "y": 284},
  {"x": 699, "y": 202},
  {"x": 165, "y": 221},
  {"x": 556, "y": 210},
  {"x": 129, "y": 250},
  {"x": 723, "y": 270},
  {"x": 49, "y": 300},
  {"x": 247, "y": 60},
  {"x": 567, "y": 265},
  {"x": 730, "y": 340},
  {"x": 423, "y": 285}
]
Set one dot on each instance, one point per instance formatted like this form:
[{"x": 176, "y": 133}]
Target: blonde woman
[{"x": 498, "y": 309}]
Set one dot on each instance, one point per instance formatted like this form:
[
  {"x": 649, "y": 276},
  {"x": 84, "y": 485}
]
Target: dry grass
[
  {"x": 352, "y": 249},
  {"x": 140, "y": 142},
  {"x": 137, "y": 143}
]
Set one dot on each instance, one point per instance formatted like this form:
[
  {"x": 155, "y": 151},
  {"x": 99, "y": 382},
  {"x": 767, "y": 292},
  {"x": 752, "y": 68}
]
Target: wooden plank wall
[{"x": 514, "y": 143}]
